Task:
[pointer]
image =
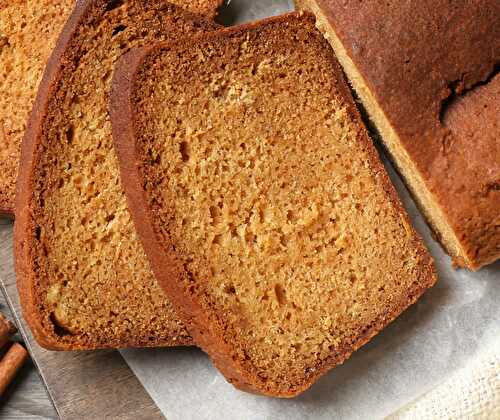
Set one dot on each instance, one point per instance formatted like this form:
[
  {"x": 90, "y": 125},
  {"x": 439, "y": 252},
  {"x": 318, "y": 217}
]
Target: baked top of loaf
[
  {"x": 28, "y": 33},
  {"x": 473, "y": 119},
  {"x": 83, "y": 278},
  {"x": 262, "y": 205},
  {"x": 409, "y": 61}
]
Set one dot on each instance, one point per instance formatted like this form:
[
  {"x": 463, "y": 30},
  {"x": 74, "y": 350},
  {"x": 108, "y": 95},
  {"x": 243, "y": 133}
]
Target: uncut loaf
[
  {"x": 427, "y": 73},
  {"x": 82, "y": 275},
  {"x": 261, "y": 203}
]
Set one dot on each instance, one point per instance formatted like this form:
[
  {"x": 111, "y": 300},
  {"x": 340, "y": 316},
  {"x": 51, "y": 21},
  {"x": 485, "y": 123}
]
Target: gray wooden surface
[
  {"x": 82, "y": 385},
  {"x": 27, "y": 397}
]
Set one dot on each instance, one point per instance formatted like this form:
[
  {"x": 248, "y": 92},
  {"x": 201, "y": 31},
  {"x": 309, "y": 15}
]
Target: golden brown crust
[
  {"x": 30, "y": 198},
  {"x": 416, "y": 58},
  {"x": 206, "y": 327},
  {"x": 473, "y": 119}
]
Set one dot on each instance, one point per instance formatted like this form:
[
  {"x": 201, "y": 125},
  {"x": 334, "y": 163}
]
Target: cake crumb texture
[
  {"x": 83, "y": 277},
  {"x": 28, "y": 33},
  {"x": 250, "y": 171},
  {"x": 412, "y": 63}
]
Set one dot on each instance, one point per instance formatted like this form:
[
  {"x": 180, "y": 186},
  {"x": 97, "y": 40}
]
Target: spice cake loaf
[
  {"x": 82, "y": 275},
  {"x": 413, "y": 63},
  {"x": 262, "y": 204}
]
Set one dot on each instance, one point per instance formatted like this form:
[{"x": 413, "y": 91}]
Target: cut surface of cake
[
  {"x": 28, "y": 33},
  {"x": 82, "y": 275},
  {"x": 265, "y": 211}
]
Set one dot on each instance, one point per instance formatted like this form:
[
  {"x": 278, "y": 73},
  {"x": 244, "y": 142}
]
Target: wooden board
[{"x": 82, "y": 385}]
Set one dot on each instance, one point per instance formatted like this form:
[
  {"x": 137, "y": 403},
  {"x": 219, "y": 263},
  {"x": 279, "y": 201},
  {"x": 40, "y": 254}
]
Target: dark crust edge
[
  {"x": 24, "y": 225},
  {"x": 203, "y": 326}
]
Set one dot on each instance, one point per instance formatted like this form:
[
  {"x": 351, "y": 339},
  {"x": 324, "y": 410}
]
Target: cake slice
[
  {"x": 410, "y": 62},
  {"x": 266, "y": 214},
  {"x": 82, "y": 275},
  {"x": 28, "y": 32}
]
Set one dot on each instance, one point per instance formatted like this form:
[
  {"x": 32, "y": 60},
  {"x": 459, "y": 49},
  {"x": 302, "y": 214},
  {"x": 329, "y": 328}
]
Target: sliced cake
[
  {"x": 410, "y": 62},
  {"x": 264, "y": 209},
  {"x": 28, "y": 33},
  {"x": 82, "y": 275}
]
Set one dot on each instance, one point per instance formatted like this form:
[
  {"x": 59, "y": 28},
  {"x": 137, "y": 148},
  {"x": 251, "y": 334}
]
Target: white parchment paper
[{"x": 446, "y": 329}]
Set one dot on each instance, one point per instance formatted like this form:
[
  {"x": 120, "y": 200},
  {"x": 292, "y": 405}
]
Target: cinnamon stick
[
  {"x": 10, "y": 364},
  {"x": 7, "y": 329}
]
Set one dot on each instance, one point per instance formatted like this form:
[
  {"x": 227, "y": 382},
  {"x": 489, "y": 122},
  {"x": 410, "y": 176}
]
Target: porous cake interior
[
  {"x": 415, "y": 182},
  {"x": 260, "y": 173},
  {"x": 95, "y": 284},
  {"x": 28, "y": 32},
  {"x": 207, "y": 8}
]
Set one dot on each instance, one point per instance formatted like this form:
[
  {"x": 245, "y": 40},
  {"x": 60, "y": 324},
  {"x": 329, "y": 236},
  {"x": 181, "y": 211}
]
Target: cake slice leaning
[
  {"x": 261, "y": 203},
  {"x": 82, "y": 276},
  {"x": 426, "y": 72},
  {"x": 28, "y": 33}
]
